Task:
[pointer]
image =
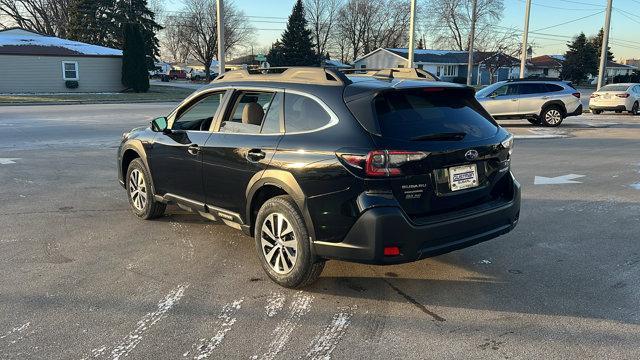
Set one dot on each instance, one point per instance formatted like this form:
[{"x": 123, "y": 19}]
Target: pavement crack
[{"x": 415, "y": 302}]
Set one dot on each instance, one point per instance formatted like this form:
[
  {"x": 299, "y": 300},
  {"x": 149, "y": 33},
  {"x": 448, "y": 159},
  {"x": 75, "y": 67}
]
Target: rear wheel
[
  {"x": 596, "y": 112},
  {"x": 552, "y": 116},
  {"x": 283, "y": 244},
  {"x": 140, "y": 191}
]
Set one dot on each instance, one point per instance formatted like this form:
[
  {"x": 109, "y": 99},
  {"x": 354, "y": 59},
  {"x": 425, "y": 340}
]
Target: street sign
[{"x": 261, "y": 57}]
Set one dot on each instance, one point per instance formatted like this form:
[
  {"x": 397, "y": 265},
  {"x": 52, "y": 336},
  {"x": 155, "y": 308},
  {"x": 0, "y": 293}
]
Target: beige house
[{"x": 36, "y": 63}]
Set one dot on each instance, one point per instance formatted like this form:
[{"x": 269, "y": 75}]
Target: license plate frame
[{"x": 463, "y": 177}]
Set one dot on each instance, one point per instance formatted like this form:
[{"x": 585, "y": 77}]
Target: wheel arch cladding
[
  {"x": 127, "y": 157},
  {"x": 276, "y": 182},
  {"x": 551, "y": 103}
]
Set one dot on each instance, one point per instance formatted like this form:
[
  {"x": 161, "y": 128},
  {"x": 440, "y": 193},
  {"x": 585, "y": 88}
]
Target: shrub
[{"x": 71, "y": 84}]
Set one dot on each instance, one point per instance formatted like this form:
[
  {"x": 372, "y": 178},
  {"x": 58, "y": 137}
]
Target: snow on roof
[
  {"x": 558, "y": 57},
  {"x": 428, "y": 51},
  {"x": 18, "y": 42},
  {"x": 335, "y": 63}
]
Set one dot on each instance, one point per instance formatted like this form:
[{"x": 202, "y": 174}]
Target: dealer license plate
[{"x": 463, "y": 177}]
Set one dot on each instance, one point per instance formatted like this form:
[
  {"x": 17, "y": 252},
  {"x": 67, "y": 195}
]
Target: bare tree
[
  {"x": 49, "y": 17},
  {"x": 321, "y": 16},
  {"x": 449, "y": 22},
  {"x": 173, "y": 38},
  {"x": 367, "y": 25},
  {"x": 200, "y": 27}
]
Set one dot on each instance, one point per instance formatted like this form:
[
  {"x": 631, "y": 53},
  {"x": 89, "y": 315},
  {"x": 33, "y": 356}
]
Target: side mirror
[{"x": 159, "y": 124}]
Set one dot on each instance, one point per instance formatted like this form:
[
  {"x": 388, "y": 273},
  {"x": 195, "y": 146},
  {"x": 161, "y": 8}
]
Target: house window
[
  {"x": 449, "y": 70},
  {"x": 363, "y": 66},
  {"x": 70, "y": 70},
  {"x": 420, "y": 66},
  {"x": 400, "y": 66}
]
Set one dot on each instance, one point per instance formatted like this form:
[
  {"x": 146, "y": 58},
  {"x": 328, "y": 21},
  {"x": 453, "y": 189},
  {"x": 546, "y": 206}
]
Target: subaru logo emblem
[{"x": 471, "y": 155}]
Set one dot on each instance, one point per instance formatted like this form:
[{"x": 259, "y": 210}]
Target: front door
[
  {"x": 246, "y": 139},
  {"x": 176, "y": 156},
  {"x": 503, "y": 101}
]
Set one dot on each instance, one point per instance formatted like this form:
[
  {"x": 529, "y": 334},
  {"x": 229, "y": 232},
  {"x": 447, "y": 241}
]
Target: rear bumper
[
  {"x": 608, "y": 107},
  {"x": 383, "y": 226},
  {"x": 577, "y": 112}
]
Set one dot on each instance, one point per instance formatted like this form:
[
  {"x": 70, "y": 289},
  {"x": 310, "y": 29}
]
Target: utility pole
[
  {"x": 602, "y": 72},
  {"x": 220, "y": 28},
  {"x": 525, "y": 38},
  {"x": 412, "y": 25},
  {"x": 472, "y": 37}
]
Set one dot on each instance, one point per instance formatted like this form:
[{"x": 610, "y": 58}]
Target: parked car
[
  {"x": 616, "y": 97},
  {"x": 177, "y": 74},
  {"x": 542, "y": 102},
  {"x": 318, "y": 165}
]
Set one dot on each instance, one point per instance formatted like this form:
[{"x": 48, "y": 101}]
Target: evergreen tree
[
  {"x": 134, "y": 68},
  {"x": 296, "y": 47},
  {"x": 138, "y": 12},
  {"x": 596, "y": 41},
  {"x": 580, "y": 60},
  {"x": 93, "y": 22}
]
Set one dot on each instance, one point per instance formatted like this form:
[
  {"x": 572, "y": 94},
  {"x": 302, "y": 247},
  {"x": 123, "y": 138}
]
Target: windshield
[
  {"x": 421, "y": 113},
  {"x": 488, "y": 90},
  {"x": 614, "y": 88}
]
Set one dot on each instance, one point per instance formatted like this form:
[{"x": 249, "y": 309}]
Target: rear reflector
[
  {"x": 391, "y": 251},
  {"x": 576, "y": 94},
  {"x": 624, "y": 96}
]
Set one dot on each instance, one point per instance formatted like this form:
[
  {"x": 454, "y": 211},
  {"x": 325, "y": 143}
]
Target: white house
[
  {"x": 448, "y": 65},
  {"x": 37, "y": 63}
]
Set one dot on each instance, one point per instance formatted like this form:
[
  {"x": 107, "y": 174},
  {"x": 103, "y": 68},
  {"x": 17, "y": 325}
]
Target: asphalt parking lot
[{"x": 83, "y": 278}]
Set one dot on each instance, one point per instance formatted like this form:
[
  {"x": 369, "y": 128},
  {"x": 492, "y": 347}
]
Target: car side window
[
  {"x": 253, "y": 112},
  {"x": 510, "y": 89},
  {"x": 554, "y": 88},
  {"x": 302, "y": 113},
  {"x": 527, "y": 89},
  {"x": 199, "y": 115}
]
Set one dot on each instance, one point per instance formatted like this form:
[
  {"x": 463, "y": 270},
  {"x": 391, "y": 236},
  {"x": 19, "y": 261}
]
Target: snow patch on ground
[
  {"x": 275, "y": 303},
  {"x": 324, "y": 344},
  {"x": 205, "y": 347}
]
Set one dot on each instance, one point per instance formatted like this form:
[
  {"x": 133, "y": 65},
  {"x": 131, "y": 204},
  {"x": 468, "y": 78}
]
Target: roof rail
[
  {"x": 535, "y": 79},
  {"x": 393, "y": 73},
  {"x": 300, "y": 75}
]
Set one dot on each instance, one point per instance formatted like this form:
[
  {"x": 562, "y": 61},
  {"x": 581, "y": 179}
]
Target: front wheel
[
  {"x": 635, "y": 109},
  {"x": 551, "y": 116},
  {"x": 283, "y": 244},
  {"x": 596, "y": 112},
  {"x": 534, "y": 121},
  {"x": 140, "y": 192}
]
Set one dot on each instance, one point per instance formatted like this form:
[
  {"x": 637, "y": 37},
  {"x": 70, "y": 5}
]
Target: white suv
[
  {"x": 541, "y": 102},
  {"x": 616, "y": 97}
]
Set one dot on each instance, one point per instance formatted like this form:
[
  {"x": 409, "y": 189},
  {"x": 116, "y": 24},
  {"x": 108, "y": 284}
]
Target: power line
[
  {"x": 570, "y": 21},
  {"x": 555, "y": 7}
]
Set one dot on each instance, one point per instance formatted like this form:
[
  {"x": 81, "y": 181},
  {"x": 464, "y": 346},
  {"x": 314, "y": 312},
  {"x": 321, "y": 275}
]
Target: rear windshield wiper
[{"x": 455, "y": 136}]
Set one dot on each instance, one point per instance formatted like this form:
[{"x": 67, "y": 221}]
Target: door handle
[
  {"x": 545, "y": 97},
  {"x": 193, "y": 149},
  {"x": 255, "y": 155}
]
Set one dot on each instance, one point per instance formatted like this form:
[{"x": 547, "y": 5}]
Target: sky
[{"x": 269, "y": 17}]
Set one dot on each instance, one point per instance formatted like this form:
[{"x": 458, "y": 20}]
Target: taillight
[
  {"x": 576, "y": 94},
  {"x": 593, "y": 96},
  {"x": 383, "y": 163},
  {"x": 624, "y": 96}
]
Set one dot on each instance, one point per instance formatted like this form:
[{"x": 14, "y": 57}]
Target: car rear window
[
  {"x": 614, "y": 88},
  {"x": 410, "y": 114},
  {"x": 554, "y": 88}
]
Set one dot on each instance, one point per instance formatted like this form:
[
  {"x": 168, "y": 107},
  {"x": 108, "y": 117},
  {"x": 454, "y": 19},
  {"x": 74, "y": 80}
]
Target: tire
[
  {"x": 534, "y": 121},
  {"x": 596, "y": 112},
  {"x": 635, "y": 109},
  {"x": 552, "y": 116},
  {"x": 138, "y": 182},
  {"x": 285, "y": 253},
  {"x": 618, "y": 111}
]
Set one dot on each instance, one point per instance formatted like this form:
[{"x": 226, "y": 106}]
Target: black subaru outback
[{"x": 379, "y": 167}]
